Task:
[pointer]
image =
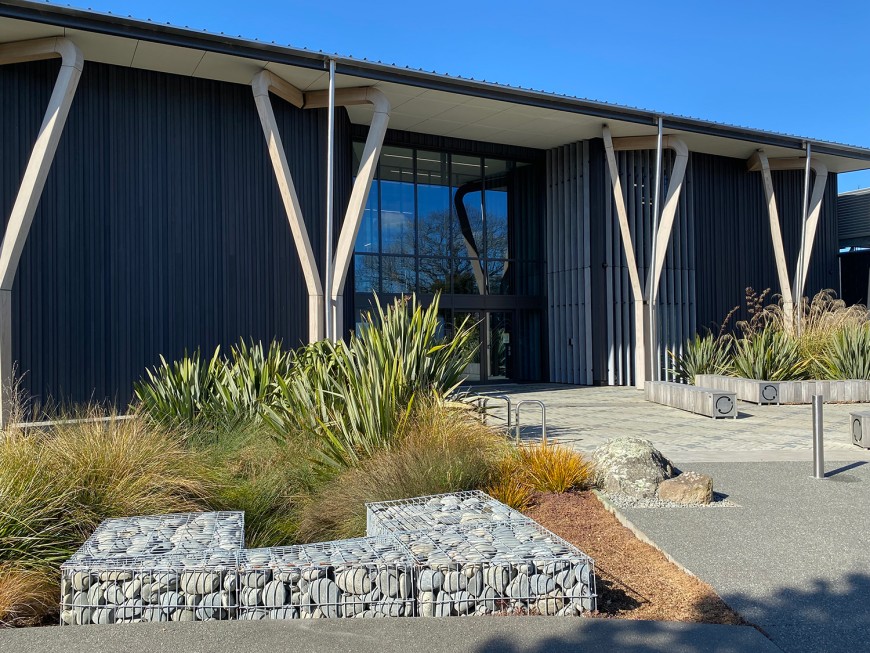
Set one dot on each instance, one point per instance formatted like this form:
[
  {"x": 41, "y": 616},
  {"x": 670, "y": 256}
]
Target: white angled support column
[
  {"x": 263, "y": 84},
  {"x": 32, "y": 184},
  {"x": 361, "y": 186},
  {"x": 810, "y": 228},
  {"x": 644, "y": 298},
  {"x": 266, "y": 82},
  {"x": 791, "y": 290}
]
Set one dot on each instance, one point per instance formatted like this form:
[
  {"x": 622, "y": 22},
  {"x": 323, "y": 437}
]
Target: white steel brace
[
  {"x": 792, "y": 290},
  {"x": 645, "y": 297},
  {"x": 266, "y": 82},
  {"x": 32, "y": 183}
]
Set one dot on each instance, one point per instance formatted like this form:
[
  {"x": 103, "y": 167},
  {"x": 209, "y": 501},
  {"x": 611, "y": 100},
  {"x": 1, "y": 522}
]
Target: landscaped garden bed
[
  {"x": 306, "y": 443},
  {"x": 784, "y": 354}
]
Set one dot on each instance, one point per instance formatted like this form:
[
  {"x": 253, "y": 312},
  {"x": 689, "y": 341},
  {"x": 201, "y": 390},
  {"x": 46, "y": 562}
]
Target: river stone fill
[{"x": 477, "y": 566}]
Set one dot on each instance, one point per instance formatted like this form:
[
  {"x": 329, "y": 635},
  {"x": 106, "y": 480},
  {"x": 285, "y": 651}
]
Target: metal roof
[{"x": 423, "y": 101}]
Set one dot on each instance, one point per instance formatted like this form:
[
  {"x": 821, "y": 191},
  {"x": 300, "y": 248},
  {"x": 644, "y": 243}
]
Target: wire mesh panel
[
  {"x": 364, "y": 577},
  {"x": 194, "y": 586},
  {"x": 437, "y": 511},
  {"x": 130, "y": 537},
  {"x": 517, "y": 567}
]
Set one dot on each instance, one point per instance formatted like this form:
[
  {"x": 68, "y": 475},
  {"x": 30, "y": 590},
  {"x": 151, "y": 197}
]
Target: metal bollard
[{"x": 818, "y": 438}]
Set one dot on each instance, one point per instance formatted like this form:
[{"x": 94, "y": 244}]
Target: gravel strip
[{"x": 625, "y": 501}]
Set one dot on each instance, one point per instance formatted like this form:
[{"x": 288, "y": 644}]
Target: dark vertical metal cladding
[
  {"x": 160, "y": 228},
  {"x": 734, "y": 246}
]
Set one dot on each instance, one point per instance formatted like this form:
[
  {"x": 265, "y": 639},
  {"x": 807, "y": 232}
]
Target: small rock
[
  {"x": 253, "y": 615},
  {"x": 257, "y": 578},
  {"x": 81, "y": 580},
  {"x": 325, "y": 594},
  {"x": 103, "y": 616},
  {"x": 354, "y": 581},
  {"x": 427, "y": 604},
  {"x": 133, "y": 589},
  {"x": 688, "y": 488},
  {"x": 541, "y": 584},
  {"x": 463, "y": 602},
  {"x": 431, "y": 580},
  {"x": 130, "y": 609},
  {"x": 499, "y": 577},
  {"x": 284, "y": 613},
  {"x": 454, "y": 581},
  {"x": 274, "y": 594},
  {"x": 200, "y": 582},
  {"x": 251, "y": 596}
]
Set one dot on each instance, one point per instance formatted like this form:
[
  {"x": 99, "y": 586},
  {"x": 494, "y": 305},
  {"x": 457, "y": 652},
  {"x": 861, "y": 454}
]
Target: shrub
[
  {"x": 438, "y": 450},
  {"x": 847, "y": 356},
  {"x": 769, "y": 355},
  {"x": 351, "y": 397},
  {"x": 27, "y": 595},
  {"x": 702, "y": 355}
]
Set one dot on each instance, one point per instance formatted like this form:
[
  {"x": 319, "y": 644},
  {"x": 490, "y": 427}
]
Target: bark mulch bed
[{"x": 635, "y": 580}]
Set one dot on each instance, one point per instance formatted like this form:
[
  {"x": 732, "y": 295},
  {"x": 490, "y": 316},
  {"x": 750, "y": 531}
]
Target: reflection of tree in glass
[{"x": 436, "y": 249}]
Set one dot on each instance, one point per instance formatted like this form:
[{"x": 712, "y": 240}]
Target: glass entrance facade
[{"x": 471, "y": 228}]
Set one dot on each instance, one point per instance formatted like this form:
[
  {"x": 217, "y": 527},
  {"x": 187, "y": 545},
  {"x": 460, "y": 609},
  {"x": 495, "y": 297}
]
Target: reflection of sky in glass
[
  {"x": 367, "y": 238},
  {"x": 397, "y": 217}
]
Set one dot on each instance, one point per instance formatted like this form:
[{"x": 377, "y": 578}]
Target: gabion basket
[
  {"x": 456, "y": 509},
  {"x": 363, "y": 577},
  {"x": 171, "y": 534},
  {"x": 194, "y": 586},
  {"x": 509, "y": 568}
]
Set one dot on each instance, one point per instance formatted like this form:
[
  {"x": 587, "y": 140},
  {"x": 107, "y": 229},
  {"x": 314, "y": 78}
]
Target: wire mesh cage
[
  {"x": 179, "y": 567},
  {"x": 194, "y": 586},
  {"x": 179, "y": 533},
  {"x": 362, "y": 577},
  {"x": 517, "y": 567},
  {"x": 456, "y": 509}
]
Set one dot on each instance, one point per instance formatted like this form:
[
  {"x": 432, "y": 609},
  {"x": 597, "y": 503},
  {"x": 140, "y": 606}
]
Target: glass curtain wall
[{"x": 467, "y": 227}]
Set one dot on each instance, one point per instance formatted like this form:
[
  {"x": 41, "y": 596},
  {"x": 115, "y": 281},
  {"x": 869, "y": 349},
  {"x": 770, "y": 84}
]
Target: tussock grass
[
  {"x": 27, "y": 595},
  {"x": 264, "y": 477},
  {"x": 552, "y": 468},
  {"x": 438, "y": 450},
  {"x": 509, "y": 487}
]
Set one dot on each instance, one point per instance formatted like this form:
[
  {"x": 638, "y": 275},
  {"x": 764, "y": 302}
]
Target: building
[
  {"x": 177, "y": 197},
  {"x": 853, "y": 223}
]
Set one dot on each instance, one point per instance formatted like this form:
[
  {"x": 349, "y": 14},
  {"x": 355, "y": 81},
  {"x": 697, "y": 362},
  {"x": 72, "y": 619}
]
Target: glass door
[
  {"x": 499, "y": 327},
  {"x": 474, "y": 371}
]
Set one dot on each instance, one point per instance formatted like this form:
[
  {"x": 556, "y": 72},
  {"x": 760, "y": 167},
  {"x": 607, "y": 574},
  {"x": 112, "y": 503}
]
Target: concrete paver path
[{"x": 585, "y": 417}]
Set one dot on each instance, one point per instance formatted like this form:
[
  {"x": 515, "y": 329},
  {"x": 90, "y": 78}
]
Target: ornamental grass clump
[
  {"x": 701, "y": 355},
  {"x": 769, "y": 355},
  {"x": 263, "y": 476},
  {"x": 815, "y": 325},
  {"x": 351, "y": 398},
  {"x": 437, "y": 450},
  {"x": 27, "y": 594},
  {"x": 552, "y": 468},
  {"x": 847, "y": 355}
]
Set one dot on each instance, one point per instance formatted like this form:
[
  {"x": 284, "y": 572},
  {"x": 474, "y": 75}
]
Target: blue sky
[{"x": 796, "y": 67}]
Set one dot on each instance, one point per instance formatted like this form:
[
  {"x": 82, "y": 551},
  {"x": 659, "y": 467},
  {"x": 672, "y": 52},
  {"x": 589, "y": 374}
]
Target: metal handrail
[{"x": 543, "y": 419}]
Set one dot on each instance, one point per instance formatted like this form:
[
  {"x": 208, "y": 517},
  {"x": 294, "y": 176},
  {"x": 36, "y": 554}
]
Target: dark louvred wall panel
[{"x": 160, "y": 228}]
